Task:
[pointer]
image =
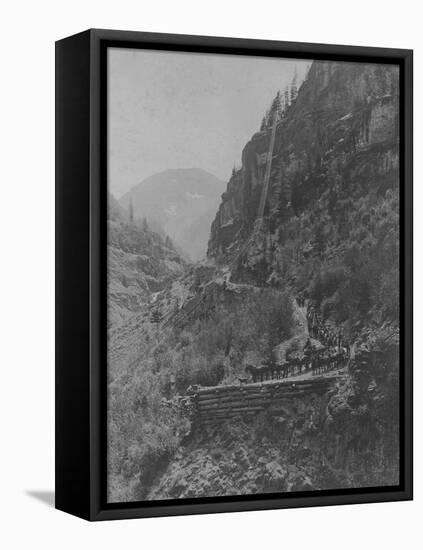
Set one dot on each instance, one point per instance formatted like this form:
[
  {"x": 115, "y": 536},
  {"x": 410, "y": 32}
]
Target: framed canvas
[{"x": 233, "y": 274}]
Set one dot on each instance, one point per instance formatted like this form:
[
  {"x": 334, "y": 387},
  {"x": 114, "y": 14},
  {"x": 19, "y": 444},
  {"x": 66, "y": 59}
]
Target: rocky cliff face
[
  {"x": 239, "y": 458},
  {"x": 316, "y": 442},
  {"x": 140, "y": 262},
  {"x": 341, "y": 131}
]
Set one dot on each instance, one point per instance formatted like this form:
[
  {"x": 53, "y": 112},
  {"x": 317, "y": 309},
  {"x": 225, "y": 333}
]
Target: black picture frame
[{"x": 81, "y": 170}]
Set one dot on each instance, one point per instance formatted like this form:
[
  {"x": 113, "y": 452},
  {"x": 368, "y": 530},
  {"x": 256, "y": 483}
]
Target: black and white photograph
[
  {"x": 253, "y": 275},
  {"x": 210, "y": 235}
]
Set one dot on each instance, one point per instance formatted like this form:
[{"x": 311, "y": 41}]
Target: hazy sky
[{"x": 184, "y": 110}]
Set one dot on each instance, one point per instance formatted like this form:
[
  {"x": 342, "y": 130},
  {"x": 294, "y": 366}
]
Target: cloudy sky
[{"x": 184, "y": 110}]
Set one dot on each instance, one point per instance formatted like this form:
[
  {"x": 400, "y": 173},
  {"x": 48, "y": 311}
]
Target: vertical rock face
[{"x": 342, "y": 127}]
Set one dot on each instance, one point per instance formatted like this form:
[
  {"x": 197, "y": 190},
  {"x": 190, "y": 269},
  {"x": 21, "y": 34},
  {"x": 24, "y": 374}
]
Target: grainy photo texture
[{"x": 253, "y": 275}]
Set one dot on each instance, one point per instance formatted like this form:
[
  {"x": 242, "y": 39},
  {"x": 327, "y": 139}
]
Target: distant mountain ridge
[{"x": 183, "y": 201}]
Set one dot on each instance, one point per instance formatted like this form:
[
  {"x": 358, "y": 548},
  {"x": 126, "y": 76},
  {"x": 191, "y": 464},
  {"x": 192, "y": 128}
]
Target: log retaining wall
[{"x": 219, "y": 403}]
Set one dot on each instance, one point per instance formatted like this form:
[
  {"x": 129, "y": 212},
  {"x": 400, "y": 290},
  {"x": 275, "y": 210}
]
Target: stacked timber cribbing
[{"x": 219, "y": 403}]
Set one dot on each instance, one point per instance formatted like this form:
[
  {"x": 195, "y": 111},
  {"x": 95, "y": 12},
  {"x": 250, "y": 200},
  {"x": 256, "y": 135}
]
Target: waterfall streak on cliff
[{"x": 263, "y": 198}]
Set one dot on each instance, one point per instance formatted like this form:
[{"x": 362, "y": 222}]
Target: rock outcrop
[
  {"x": 140, "y": 263},
  {"x": 316, "y": 442},
  {"x": 342, "y": 130}
]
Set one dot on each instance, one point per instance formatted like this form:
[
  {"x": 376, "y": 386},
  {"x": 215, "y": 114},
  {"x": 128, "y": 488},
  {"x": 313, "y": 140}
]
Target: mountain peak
[{"x": 183, "y": 201}]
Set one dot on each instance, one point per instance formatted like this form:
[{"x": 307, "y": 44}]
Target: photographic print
[{"x": 252, "y": 275}]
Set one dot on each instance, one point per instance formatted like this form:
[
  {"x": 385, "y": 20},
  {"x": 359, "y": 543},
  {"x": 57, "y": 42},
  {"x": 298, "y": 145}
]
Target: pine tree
[
  {"x": 286, "y": 99},
  {"x": 144, "y": 224},
  {"x": 279, "y": 104},
  {"x": 263, "y": 124},
  {"x": 294, "y": 89},
  {"x": 131, "y": 211},
  {"x": 275, "y": 109},
  {"x": 168, "y": 242}
]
